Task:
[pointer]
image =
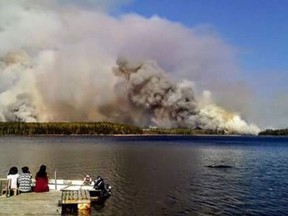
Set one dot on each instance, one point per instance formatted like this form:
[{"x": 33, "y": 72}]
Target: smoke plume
[
  {"x": 173, "y": 105},
  {"x": 59, "y": 61}
]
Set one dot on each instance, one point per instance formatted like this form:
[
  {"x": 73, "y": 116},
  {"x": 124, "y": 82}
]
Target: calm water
[{"x": 166, "y": 175}]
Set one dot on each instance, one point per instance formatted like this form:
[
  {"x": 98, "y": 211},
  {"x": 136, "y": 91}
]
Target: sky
[
  {"x": 257, "y": 29},
  {"x": 221, "y": 62}
]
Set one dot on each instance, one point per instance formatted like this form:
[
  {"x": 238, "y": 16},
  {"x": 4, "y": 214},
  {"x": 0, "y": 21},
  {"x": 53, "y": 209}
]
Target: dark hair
[
  {"x": 13, "y": 170},
  {"x": 42, "y": 172},
  {"x": 25, "y": 169}
]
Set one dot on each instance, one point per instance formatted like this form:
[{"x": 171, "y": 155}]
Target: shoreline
[{"x": 139, "y": 135}]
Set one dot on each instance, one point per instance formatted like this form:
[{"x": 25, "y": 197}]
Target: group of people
[{"x": 23, "y": 181}]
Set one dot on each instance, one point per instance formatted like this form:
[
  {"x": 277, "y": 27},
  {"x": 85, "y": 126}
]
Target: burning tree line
[
  {"x": 96, "y": 128},
  {"x": 184, "y": 131}
]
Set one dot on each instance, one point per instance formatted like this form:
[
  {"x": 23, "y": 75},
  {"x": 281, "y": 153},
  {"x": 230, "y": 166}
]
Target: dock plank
[{"x": 31, "y": 204}]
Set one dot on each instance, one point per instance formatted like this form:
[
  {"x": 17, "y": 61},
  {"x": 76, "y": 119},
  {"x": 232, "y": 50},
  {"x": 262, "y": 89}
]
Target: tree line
[
  {"x": 275, "y": 132},
  {"x": 107, "y": 128},
  {"x": 183, "y": 131},
  {"x": 67, "y": 128}
]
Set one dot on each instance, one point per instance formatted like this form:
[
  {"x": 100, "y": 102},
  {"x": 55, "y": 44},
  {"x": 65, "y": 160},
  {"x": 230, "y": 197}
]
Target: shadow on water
[
  {"x": 95, "y": 209},
  {"x": 219, "y": 166}
]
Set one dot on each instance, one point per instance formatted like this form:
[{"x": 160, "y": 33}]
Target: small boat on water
[
  {"x": 99, "y": 191},
  {"x": 78, "y": 195}
]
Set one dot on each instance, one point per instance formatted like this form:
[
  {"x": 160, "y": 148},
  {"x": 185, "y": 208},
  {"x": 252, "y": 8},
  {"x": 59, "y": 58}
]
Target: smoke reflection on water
[{"x": 165, "y": 175}]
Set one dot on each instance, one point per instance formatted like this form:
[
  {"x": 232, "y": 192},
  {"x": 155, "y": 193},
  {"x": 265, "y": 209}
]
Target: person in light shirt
[{"x": 13, "y": 176}]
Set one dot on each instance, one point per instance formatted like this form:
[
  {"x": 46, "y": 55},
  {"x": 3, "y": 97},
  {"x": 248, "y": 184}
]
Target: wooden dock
[
  {"x": 31, "y": 204},
  {"x": 69, "y": 197}
]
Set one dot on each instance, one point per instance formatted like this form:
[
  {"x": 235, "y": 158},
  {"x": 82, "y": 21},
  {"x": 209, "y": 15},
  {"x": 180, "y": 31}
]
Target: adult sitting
[
  {"x": 13, "y": 176},
  {"x": 25, "y": 180},
  {"x": 41, "y": 183}
]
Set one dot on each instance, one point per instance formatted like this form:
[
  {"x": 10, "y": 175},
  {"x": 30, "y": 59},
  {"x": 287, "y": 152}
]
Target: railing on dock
[
  {"x": 5, "y": 187},
  {"x": 55, "y": 177},
  {"x": 73, "y": 201}
]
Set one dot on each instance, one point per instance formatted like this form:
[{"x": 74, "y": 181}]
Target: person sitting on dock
[
  {"x": 13, "y": 176},
  {"x": 25, "y": 180},
  {"x": 41, "y": 184},
  {"x": 87, "y": 180}
]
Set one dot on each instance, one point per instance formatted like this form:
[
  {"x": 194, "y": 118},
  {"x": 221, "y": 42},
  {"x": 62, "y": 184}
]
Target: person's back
[
  {"x": 13, "y": 176},
  {"x": 25, "y": 180},
  {"x": 41, "y": 184}
]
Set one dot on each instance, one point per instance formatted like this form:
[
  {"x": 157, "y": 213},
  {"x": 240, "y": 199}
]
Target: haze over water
[{"x": 166, "y": 175}]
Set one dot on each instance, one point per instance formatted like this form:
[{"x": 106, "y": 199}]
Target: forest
[
  {"x": 274, "y": 132},
  {"x": 67, "y": 128},
  {"x": 182, "y": 131},
  {"x": 94, "y": 128},
  {"x": 108, "y": 128}
]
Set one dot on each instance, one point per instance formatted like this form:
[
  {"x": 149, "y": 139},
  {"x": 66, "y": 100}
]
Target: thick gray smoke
[
  {"x": 173, "y": 105},
  {"x": 57, "y": 61},
  {"x": 149, "y": 89},
  {"x": 21, "y": 110}
]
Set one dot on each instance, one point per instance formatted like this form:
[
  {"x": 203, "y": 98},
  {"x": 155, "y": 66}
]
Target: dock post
[{"x": 55, "y": 177}]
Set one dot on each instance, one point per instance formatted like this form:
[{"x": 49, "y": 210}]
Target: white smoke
[{"x": 56, "y": 60}]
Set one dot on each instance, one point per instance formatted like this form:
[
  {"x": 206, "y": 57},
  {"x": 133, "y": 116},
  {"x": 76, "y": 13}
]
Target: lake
[{"x": 166, "y": 175}]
